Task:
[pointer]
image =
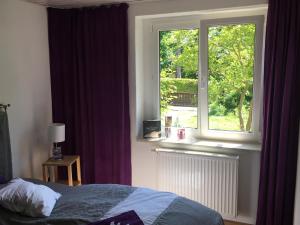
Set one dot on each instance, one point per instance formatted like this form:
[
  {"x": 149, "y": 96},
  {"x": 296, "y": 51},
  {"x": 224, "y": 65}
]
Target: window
[
  {"x": 210, "y": 77},
  {"x": 179, "y": 61},
  {"x": 230, "y": 77}
]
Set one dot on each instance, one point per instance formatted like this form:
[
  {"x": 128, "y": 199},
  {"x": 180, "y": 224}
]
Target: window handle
[{"x": 202, "y": 82}]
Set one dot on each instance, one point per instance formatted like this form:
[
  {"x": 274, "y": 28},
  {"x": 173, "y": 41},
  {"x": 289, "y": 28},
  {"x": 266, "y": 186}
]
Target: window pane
[
  {"x": 230, "y": 80},
  {"x": 178, "y": 55}
]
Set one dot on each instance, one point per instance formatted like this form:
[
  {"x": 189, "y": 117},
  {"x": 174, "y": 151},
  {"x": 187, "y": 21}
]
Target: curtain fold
[
  {"x": 89, "y": 82},
  {"x": 281, "y": 114},
  {"x": 5, "y": 149}
]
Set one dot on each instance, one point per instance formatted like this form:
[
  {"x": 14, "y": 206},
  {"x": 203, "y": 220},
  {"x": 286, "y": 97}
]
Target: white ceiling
[{"x": 79, "y": 3}]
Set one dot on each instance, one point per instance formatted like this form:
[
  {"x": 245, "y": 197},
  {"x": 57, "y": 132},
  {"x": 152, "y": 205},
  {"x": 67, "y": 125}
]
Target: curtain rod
[
  {"x": 82, "y": 6},
  {"x": 92, "y": 5}
]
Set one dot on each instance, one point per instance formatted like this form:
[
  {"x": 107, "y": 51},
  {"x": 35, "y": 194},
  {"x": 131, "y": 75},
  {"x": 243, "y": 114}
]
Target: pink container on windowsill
[{"x": 181, "y": 133}]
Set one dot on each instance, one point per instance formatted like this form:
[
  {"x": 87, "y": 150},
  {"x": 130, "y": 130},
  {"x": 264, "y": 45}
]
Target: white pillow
[{"x": 28, "y": 198}]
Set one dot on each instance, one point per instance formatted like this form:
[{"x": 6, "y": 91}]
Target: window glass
[
  {"x": 179, "y": 60},
  {"x": 230, "y": 77}
]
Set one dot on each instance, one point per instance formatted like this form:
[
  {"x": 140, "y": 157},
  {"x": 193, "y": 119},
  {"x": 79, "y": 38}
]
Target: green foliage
[
  {"x": 217, "y": 109},
  {"x": 179, "y": 48},
  {"x": 230, "y": 71},
  {"x": 170, "y": 86},
  {"x": 230, "y": 101},
  {"x": 229, "y": 122},
  {"x": 167, "y": 90},
  {"x": 231, "y": 58},
  {"x": 182, "y": 85}
]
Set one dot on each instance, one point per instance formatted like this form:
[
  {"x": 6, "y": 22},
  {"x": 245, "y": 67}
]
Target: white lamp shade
[{"x": 56, "y": 132}]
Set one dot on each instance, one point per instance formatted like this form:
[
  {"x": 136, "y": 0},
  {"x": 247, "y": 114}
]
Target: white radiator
[{"x": 210, "y": 179}]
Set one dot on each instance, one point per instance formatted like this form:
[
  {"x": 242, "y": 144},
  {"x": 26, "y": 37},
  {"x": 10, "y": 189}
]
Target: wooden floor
[{"x": 234, "y": 223}]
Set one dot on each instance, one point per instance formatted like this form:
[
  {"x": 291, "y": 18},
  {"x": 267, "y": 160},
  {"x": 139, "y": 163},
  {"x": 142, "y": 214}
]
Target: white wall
[
  {"x": 25, "y": 82},
  {"x": 143, "y": 159}
]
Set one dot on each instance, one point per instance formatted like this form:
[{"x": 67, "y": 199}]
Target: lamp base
[{"x": 56, "y": 153}]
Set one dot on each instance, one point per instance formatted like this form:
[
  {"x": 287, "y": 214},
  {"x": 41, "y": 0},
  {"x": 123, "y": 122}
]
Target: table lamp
[{"x": 56, "y": 135}]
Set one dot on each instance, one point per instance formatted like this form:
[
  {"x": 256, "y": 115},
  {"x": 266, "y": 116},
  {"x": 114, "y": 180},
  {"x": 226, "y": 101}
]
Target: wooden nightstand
[{"x": 67, "y": 161}]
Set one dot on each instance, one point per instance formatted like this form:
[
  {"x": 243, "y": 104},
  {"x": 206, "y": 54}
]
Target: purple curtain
[
  {"x": 89, "y": 81},
  {"x": 281, "y": 114}
]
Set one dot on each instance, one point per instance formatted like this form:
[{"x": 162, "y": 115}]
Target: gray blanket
[{"x": 89, "y": 203}]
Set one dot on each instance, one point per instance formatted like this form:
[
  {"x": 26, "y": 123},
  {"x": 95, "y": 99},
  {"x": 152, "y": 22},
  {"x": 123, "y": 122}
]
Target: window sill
[{"x": 204, "y": 143}]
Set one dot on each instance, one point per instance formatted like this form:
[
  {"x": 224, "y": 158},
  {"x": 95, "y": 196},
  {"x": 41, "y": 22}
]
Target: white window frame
[
  {"x": 202, "y": 132},
  {"x": 203, "y": 121}
]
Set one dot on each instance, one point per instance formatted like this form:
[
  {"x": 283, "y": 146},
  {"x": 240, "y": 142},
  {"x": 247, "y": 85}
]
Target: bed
[{"x": 85, "y": 204}]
